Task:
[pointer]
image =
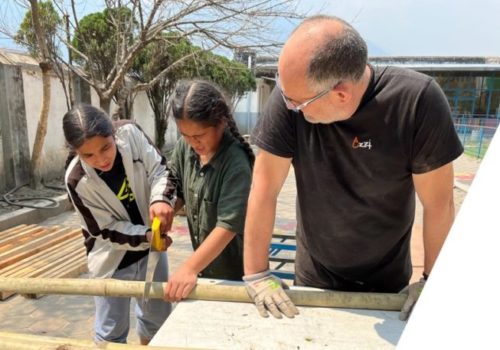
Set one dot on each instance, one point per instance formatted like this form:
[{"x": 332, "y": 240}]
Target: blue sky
[
  {"x": 420, "y": 27},
  {"x": 394, "y": 27}
]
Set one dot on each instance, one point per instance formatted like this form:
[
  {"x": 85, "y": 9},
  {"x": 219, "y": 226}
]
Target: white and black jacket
[{"x": 106, "y": 224}]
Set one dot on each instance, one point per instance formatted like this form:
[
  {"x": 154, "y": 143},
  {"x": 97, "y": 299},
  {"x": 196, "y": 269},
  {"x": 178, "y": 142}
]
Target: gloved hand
[
  {"x": 267, "y": 293},
  {"x": 413, "y": 291}
]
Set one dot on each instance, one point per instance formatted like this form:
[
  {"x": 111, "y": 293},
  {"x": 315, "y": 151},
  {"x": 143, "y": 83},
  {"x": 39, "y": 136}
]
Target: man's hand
[
  {"x": 267, "y": 293},
  {"x": 413, "y": 291},
  {"x": 164, "y": 212}
]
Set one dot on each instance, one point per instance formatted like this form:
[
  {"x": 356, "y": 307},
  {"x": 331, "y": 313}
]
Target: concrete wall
[
  {"x": 251, "y": 105},
  {"x": 54, "y": 151},
  {"x": 20, "y": 103},
  {"x": 14, "y": 165},
  {"x": 143, "y": 115}
]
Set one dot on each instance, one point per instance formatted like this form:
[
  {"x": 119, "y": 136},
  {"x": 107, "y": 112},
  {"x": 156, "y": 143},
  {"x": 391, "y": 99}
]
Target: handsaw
[{"x": 155, "y": 250}]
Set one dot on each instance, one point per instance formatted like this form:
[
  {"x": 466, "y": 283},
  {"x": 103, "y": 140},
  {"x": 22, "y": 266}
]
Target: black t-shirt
[
  {"x": 117, "y": 181},
  {"x": 356, "y": 198}
]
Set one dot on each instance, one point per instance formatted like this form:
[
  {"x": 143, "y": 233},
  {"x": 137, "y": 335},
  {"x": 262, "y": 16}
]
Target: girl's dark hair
[
  {"x": 83, "y": 122},
  {"x": 204, "y": 103}
]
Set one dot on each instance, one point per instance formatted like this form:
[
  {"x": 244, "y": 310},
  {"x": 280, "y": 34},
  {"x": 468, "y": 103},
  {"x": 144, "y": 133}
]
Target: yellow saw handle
[{"x": 156, "y": 234}]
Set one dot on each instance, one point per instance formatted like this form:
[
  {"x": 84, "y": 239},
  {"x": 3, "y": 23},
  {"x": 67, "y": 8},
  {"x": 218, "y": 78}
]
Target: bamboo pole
[
  {"x": 202, "y": 291},
  {"x": 20, "y": 341}
]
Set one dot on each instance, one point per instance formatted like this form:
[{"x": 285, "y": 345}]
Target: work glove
[
  {"x": 413, "y": 291},
  {"x": 267, "y": 293}
]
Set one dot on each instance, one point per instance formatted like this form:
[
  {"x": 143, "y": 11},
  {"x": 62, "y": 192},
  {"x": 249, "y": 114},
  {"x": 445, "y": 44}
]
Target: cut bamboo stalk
[
  {"x": 202, "y": 291},
  {"x": 19, "y": 341}
]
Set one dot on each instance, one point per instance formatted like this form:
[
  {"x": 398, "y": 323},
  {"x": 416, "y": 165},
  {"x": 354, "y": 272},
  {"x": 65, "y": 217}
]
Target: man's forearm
[
  {"x": 437, "y": 224},
  {"x": 258, "y": 232}
]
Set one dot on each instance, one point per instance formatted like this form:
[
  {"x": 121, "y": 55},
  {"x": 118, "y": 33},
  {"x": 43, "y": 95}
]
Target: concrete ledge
[
  {"x": 461, "y": 186},
  {"x": 33, "y": 216}
]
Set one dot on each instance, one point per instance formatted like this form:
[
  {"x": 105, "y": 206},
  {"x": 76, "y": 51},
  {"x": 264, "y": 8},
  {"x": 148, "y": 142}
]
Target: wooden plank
[
  {"x": 20, "y": 235},
  {"x": 36, "y": 245},
  {"x": 53, "y": 258},
  {"x": 32, "y": 251},
  {"x": 13, "y": 230},
  {"x": 23, "y": 234},
  {"x": 25, "y": 237},
  {"x": 75, "y": 266},
  {"x": 42, "y": 260},
  {"x": 77, "y": 262},
  {"x": 74, "y": 242}
]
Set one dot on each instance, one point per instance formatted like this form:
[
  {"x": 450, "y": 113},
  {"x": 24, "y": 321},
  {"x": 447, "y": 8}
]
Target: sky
[
  {"x": 420, "y": 27},
  {"x": 394, "y": 27}
]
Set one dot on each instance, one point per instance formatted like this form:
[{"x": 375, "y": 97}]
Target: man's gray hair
[{"x": 340, "y": 57}]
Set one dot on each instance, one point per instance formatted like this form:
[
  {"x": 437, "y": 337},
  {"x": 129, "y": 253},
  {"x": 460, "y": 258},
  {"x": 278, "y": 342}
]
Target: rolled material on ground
[
  {"x": 202, "y": 291},
  {"x": 20, "y": 341}
]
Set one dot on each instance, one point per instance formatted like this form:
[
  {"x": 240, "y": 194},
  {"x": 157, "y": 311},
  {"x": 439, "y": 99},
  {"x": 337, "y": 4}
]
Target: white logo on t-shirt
[{"x": 363, "y": 144}]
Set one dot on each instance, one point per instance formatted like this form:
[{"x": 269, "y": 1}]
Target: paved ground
[{"x": 72, "y": 316}]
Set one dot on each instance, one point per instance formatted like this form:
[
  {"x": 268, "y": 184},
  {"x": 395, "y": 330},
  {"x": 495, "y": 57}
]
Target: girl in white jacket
[{"x": 118, "y": 181}]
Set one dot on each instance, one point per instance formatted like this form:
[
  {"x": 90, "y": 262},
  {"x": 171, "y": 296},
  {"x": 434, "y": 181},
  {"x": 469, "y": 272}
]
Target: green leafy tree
[
  {"x": 111, "y": 42},
  {"x": 26, "y": 35},
  {"x": 105, "y": 51},
  {"x": 175, "y": 54},
  {"x": 98, "y": 39},
  {"x": 234, "y": 77},
  {"x": 185, "y": 61}
]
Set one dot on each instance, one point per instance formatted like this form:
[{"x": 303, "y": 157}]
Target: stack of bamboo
[{"x": 35, "y": 251}]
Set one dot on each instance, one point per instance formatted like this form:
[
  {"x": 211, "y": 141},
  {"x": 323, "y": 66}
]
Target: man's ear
[{"x": 342, "y": 93}]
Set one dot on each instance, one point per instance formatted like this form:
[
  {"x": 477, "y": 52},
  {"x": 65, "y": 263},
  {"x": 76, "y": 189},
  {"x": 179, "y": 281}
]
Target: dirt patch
[{"x": 52, "y": 189}]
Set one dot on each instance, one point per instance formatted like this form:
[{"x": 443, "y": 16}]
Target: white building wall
[
  {"x": 143, "y": 114},
  {"x": 171, "y": 136},
  {"x": 251, "y": 105},
  {"x": 54, "y": 151}
]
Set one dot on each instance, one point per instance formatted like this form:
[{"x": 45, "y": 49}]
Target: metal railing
[{"x": 475, "y": 134}]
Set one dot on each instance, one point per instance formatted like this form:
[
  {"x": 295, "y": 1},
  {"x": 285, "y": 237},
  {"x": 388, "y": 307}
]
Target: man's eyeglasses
[{"x": 295, "y": 106}]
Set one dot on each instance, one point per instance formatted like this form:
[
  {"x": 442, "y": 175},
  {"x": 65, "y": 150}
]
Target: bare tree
[
  {"x": 27, "y": 36},
  {"x": 46, "y": 66},
  {"x": 208, "y": 23}
]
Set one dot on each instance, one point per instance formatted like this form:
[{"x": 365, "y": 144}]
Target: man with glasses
[{"x": 362, "y": 141}]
